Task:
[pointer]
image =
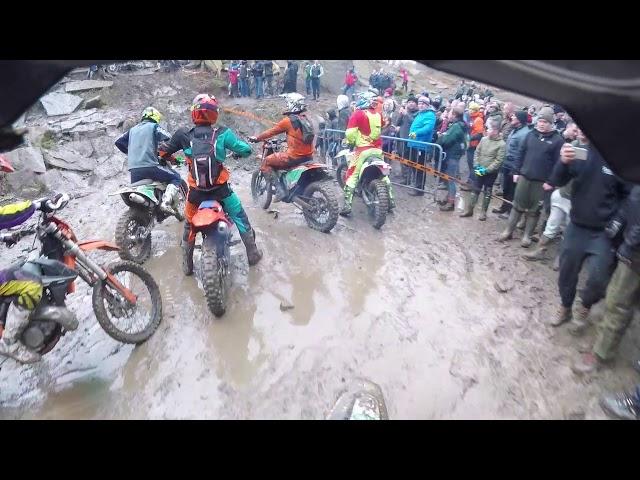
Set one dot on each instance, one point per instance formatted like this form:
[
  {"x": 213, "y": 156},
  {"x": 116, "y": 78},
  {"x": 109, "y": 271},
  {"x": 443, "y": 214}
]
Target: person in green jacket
[
  {"x": 453, "y": 143},
  {"x": 487, "y": 161}
]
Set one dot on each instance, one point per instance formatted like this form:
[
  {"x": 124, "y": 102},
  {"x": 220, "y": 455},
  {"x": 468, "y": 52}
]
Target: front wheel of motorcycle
[
  {"x": 324, "y": 209},
  {"x": 213, "y": 280},
  {"x": 133, "y": 236},
  {"x": 261, "y": 190},
  {"x": 122, "y": 320}
]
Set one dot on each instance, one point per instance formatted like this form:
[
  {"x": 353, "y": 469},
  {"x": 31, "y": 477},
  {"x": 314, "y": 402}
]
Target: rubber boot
[
  {"x": 485, "y": 206},
  {"x": 168, "y": 199},
  {"x": 187, "y": 250},
  {"x": 472, "y": 204},
  {"x": 10, "y": 345},
  {"x": 253, "y": 253},
  {"x": 514, "y": 216},
  {"x": 449, "y": 206},
  {"x": 540, "y": 252},
  {"x": 348, "y": 200},
  {"x": 531, "y": 222}
]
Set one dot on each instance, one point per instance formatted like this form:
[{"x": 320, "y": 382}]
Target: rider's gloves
[
  {"x": 412, "y": 135},
  {"x": 253, "y": 139}
]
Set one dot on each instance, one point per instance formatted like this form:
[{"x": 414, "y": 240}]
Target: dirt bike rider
[
  {"x": 363, "y": 132},
  {"x": 25, "y": 288},
  {"x": 300, "y": 137},
  {"x": 140, "y": 144},
  {"x": 205, "y": 146}
]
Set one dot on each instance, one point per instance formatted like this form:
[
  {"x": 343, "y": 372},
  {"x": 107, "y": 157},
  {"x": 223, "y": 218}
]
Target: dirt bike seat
[{"x": 145, "y": 181}]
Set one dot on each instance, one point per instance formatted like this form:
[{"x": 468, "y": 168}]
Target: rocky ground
[{"x": 445, "y": 319}]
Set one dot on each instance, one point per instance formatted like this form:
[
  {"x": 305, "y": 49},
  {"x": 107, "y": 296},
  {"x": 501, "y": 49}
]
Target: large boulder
[
  {"x": 82, "y": 85},
  {"x": 69, "y": 160},
  {"x": 110, "y": 166},
  {"x": 57, "y": 103},
  {"x": 61, "y": 181},
  {"x": 27, "y": 158}
]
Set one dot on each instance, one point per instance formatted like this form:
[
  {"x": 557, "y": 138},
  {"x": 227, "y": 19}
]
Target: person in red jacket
[{"x": 350, "y": 80}]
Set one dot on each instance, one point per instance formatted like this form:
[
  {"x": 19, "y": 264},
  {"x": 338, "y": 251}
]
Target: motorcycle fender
[{"x": 98, "y": 245}]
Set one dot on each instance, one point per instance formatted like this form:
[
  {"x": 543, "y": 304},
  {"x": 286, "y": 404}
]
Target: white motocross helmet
[
  {"x": 342, "y": 102},
  {"x": 295, "y": 102}
]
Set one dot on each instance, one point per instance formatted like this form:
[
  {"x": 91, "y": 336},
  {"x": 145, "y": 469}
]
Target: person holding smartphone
[{"x": 597, "y": 196}]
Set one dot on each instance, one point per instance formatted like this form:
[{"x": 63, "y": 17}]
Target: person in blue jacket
[{"x": 421, "y": 130}]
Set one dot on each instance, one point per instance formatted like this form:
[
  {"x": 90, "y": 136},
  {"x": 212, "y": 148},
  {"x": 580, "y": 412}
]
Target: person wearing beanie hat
[
  {"x": 546, "y": 113},
  {"x": 532, "y": 167},
  {"x": 474, "y": 107},
  {"x": 560, "y": 120},
  {"x": 520, "y": 129}
]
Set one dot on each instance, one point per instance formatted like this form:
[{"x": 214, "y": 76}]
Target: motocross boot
[
  {"x": 348, "y": 200},
  {"x": 280, "y": 191},
  {"x": 10, "y": 344},
  {"x": 168, "y": 200},
  {"x": 253, "y": 253},
  {"x": 187, "y": 250}
]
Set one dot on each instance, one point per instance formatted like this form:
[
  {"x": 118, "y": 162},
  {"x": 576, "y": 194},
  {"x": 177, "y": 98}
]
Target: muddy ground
[{"x": 413, "y": 307}]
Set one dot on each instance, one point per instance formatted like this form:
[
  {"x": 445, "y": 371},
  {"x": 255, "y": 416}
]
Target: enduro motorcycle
[
  {"x": 371, "y": 186},
  {"x": 133, "y": 230},
  {"x": 122, "y": 291},
  {"x": 308, "y": 186},
  {"x": 212, "y": 223}
]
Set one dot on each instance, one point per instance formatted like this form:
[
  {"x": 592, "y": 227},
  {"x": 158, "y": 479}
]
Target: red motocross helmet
[
  {"x": 204, "y": 110},
  {"x": 5, "y": 166}
]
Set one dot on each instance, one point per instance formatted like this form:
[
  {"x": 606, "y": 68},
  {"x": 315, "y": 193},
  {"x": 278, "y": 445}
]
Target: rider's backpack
[
  {"x": 205, "y": 169},
  {"x": 303, "y": 124}
]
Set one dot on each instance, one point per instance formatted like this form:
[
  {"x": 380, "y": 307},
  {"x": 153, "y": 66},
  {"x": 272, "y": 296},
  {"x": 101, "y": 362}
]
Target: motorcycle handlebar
[{"x": 48, "y": 205}]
